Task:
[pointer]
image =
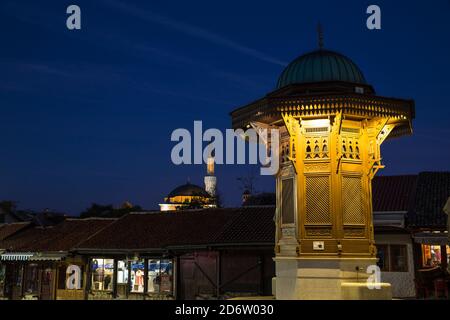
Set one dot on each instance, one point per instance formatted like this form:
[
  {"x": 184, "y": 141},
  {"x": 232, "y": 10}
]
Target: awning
[
  {"x": 16, "y": 256},
  {"x": 47, "y": 256},
  {"x": 432, "y": 238}
]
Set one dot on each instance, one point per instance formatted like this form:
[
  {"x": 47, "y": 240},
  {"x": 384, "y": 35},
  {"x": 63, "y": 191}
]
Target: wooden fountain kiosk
[{"x": 332, "y": 125}]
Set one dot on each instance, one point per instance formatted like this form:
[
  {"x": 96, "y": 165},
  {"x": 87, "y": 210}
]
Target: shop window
[
  {"x": 432, "y": 255},
  {"x": 102, "y": 274},
  {"x": 31, "y": 278},
  {"x": 166, "y": 276},
  {"x": 137, "y": 276},
  {"x": 70, "y": 277},
  {"x": 160, "y": 276},
  {"x": 122, "y": 272},
  {"x": 392, "y": 258}
]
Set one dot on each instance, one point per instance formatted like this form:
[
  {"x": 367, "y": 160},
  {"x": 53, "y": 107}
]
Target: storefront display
[
  {"x": 102, "y": 274},
  {"x": 137, "y": 276},
  {"x": 122, "y": 272},
  {"x": 159, "y": 276},
  {"x": 432, "y": 255}
]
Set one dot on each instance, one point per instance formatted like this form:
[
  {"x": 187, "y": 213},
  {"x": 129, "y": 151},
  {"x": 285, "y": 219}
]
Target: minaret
[{"x": 210, "y": 179}]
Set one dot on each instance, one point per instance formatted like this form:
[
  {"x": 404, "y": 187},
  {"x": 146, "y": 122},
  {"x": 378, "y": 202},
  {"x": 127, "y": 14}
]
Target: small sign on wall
[{"x": 318, "y": 245}]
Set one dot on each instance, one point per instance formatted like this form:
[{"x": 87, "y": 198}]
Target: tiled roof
[
  {"x": 422, "y": 196},
  {"x": 261, "y": 199},
  {"x": 393, "y": 193},
  {"x": 159, "y": 230},
  {"x": 9, "y": 229},
  {"x": 62, "y": 237},
  {"x": 23, "y": 240},
  {"x": 433, "y": 190},
  {"x": 256, "y": 224}
]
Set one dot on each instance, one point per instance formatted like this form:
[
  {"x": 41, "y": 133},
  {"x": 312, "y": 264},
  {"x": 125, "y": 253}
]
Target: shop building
[
  {"x": 213, "y": 253},
  {"x": 194, "y": 254},
  {"x": 392, "y": 196},
  {"x": 411, "y": 232},
  {"x": 38, "y": 262}
]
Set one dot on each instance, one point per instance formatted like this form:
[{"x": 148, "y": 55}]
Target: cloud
[
  {"x": 238, "y": 79},
  {"x": 194, "y": 31},
  {"x": 46, "y": 69}
]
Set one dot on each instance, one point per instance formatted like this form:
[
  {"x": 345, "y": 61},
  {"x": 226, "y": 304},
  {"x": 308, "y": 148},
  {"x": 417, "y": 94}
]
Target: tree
[
  {"x": 8, "y": 206},
  {"x": 108, "y": 211},
  {"x": 247, "y": 182},
  {"x": 97, "y": 210}
]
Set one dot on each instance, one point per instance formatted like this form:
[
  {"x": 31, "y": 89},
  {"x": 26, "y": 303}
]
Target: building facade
[{"x": 197, "y": 254}]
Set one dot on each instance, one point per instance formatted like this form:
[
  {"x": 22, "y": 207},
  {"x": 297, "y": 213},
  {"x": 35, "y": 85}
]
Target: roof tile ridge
[
  {"x": 113, "y": 222},
  {"x": 236, "y": 213}
]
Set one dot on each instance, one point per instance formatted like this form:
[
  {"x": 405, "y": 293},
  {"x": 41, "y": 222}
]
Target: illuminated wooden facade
[{"x": 331, "y": 130}]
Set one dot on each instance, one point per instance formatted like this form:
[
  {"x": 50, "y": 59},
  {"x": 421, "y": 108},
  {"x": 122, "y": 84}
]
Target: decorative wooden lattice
[
  {"x": 350, "y": 148},
  {"x": 318, "y": 200},
  {"x": 287, "y": 202},
  {"x": 284, "y": 154},
  {"x": 353, "y": 211},
  {"x": 317, "y": 147}
]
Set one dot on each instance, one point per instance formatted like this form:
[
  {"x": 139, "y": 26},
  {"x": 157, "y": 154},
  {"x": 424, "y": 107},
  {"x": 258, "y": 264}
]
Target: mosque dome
[
  {"x": 321, "y": 65},
  {"x": 189, "y": 190}
]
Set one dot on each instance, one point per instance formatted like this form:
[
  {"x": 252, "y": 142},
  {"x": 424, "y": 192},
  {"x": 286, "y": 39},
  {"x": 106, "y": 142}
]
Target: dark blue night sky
[{"x": 86, "y": 116}]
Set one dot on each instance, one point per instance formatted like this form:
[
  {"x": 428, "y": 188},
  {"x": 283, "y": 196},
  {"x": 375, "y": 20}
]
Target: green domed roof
[
  {"x": 189, "y": 190},
  {"x": 320, "y": 65}
]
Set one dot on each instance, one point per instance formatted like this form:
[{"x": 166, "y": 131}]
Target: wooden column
[
  {"x": 115, "y": 278},
  {"x": 218, "y": 273},
  {"x": 177, "y": 278},
  {"x": 145, "y": 277},
  {"x": 444, "y": 257},
  {"x": 129, "y": 277},
  {"x": 55, "y": 279},
  {"x": 87, "y": 284},
  {"x": 262, "y": 278}
]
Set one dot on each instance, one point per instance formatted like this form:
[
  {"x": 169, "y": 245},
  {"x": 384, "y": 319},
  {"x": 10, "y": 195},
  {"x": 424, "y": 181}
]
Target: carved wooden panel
[
  {"x": 354, "y": 232},
  {"x": 352, "y": 202},
  {"x": 318, "y": 232},
  {"x": 318, "y": 200},
  {"x": 317, "y": 167}
]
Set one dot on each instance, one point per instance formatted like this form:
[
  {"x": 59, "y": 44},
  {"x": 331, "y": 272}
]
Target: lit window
[
  {"x": 160, "y": 276},
  {"x": 122, "y": 272},
  {"x": 102, "y": 274},
  {"x": 432, "y": 255},
  {"x": 137, "y": 276}
]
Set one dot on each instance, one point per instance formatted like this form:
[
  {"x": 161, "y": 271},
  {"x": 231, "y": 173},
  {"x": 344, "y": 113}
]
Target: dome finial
[{"x": 320, "y": 35}]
